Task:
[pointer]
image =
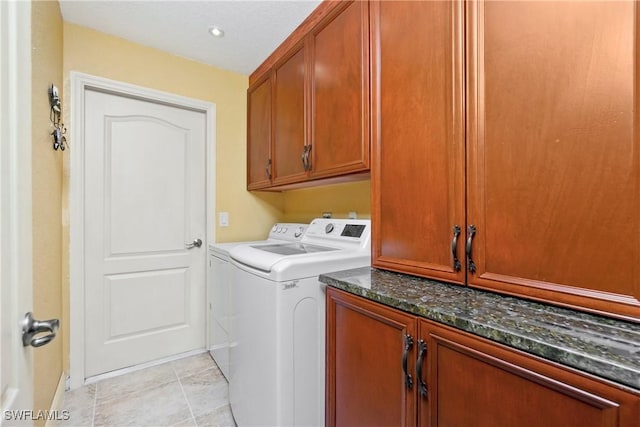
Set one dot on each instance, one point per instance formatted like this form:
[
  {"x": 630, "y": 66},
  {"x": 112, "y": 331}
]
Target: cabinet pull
[
  {"x": 471, "y": 266},
  {"x": 268, "y": 169},
  {"x": 454, "y": 247},
  {"x": 422, "y": 351},
  {"x": 304, "y": 158},
  {"x": 408, "y": 343}
]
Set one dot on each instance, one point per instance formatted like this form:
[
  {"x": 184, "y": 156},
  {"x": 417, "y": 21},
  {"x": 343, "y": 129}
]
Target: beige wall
[
  {"x": 46, "y": 39},
  {"x": 340, "y": 199}
]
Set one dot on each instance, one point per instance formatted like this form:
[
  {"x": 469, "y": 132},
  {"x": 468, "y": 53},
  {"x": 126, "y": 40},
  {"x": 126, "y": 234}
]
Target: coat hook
[{"x": 59, "y": 130}]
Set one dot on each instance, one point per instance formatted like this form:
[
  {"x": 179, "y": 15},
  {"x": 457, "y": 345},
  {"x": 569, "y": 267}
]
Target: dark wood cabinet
[
  {"x": 289, "y": 135},
  {"x": 418, "y": 137},
  {"x": 365, "y": 384},
  {"x": 457, "y": 379},
  {"x": 554, "y": 172},
  {"x": 320, "y": 107},
  {"x": 475, "y": 382},
  {"x": 340, "y": 92},
  {"x": 544, "y": 139},
  {"x": 259, "y": 162}
]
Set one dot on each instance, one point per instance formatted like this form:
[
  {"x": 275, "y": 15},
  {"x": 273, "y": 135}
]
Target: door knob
[
  {"x": 32, "y": 327},
  {"x": 195, "y": 244}
]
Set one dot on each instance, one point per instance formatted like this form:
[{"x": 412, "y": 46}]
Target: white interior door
[
  {"x": 16, "y": 372},
  {"x": 144, "y": 204}
]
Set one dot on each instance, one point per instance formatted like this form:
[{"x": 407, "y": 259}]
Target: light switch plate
[{"x": 223, "y": 219}]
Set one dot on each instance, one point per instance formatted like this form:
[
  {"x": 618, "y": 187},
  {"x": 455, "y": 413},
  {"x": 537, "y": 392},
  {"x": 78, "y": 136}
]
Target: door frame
[
  {"x": 16, "y": 228},
  {"x": 80, "y": 83}
]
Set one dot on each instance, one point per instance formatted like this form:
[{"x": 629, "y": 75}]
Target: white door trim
[
  {"x": 16, "y": 261},
  {"x": 80, "y": 83}
]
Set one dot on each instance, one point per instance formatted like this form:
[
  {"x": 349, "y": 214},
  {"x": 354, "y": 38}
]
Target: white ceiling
[{"x": 253, "y": 29}]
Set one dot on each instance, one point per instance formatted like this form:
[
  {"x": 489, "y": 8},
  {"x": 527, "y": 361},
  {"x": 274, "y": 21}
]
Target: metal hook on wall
[{"x": 59, "y": 130}]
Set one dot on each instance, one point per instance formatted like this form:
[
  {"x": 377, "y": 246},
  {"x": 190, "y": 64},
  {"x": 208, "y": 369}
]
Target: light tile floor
[{"x": 186, "y": 392}]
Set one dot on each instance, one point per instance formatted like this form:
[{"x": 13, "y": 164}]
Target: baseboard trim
[{"x": 56, "y": 403}]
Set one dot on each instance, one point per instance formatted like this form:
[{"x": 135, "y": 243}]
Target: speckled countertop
[{"x": 601, "y": 346}]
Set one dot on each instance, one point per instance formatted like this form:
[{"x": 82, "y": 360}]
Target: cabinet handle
[
  {"x": 304, "y": 158},
  {"x": 471, "y": 266},
  {"x": 308, "y": 157},
  {"x": 268, "y": 169},
  {"x": 408, "y": 343},
  {"x": 454, "y": 247},
  {"x": 422, "y": 351}
]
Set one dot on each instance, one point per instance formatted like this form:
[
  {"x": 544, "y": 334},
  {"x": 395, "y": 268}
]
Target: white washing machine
[
  {"x": 221, "y": 294},
  {"x": 278, "y": 374}
]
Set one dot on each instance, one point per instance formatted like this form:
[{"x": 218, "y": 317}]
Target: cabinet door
[
  {"x": 340, "y": 92},
  {"x": 473, "y": 382},
  {"x": 554, "y": 159},
  {"x": 289, "y": 118},
  {"x": 418, "y": 138},
  {"x": 259, "y": 134},
  {"x": 365, "y": 384}
]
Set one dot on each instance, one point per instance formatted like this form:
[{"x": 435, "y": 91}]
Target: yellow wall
[
  {"x": 307, "y": 204},
  {"x": 46, "y": 39}
]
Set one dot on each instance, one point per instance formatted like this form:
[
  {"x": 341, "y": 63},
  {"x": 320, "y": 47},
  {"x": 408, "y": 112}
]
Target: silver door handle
[
  {"x": 32, "y": 327},
  {"x": 196, "y": 244}
]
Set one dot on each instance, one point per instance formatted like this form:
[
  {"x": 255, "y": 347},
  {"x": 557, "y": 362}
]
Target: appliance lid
[
  {"x": 292, "y": 248},
  {"x": 264, "y": 257}
]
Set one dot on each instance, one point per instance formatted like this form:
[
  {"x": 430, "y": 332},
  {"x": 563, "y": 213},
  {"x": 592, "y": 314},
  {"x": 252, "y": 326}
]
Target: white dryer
[
  {"x": 278, "y": 374},
  {"x": 220, "y": 291}
]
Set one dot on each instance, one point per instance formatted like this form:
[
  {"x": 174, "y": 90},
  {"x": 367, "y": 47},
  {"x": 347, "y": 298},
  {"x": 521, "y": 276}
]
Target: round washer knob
[
  {"x": 328, "y": 228},
  {"x": 298, "y": 232}
]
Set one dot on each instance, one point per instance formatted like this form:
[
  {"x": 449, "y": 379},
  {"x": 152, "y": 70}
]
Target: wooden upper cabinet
[
  {"x": 553, "y": 153},
  {"x": 473, "y": 382},
  {"x": 418, "y": 137},
  {"x": 340, "y": 92},
  {"x": 289, "y": 118},
  {"x": 366, "y": 346},
  {"x": 259, "y": 167}
]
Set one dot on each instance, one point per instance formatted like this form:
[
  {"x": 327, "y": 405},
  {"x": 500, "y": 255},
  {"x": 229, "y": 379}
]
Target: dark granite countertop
[{"x": 598, "y": 345}]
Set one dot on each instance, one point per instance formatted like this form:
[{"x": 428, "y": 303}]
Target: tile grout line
[
  {"x": 186, "y": 399},
  {"x": 95, "y": 404}
]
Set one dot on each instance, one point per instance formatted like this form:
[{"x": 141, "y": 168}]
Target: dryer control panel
[{"x": 347, "y": 232}]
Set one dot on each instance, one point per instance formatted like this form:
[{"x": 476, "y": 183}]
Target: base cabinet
[
  {"x": 452, "y": 378},
  {"x": 368, "y": 347}
]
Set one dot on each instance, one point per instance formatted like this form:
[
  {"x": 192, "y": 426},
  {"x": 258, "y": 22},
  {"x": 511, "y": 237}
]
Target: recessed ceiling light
[{"x": 216, "y": 31}]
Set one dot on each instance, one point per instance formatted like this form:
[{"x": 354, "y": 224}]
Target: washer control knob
[
  {"x": 284, "y": 229},
  {"x": 328, "y": 228},
  {"x": 298, "y": 232}
]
